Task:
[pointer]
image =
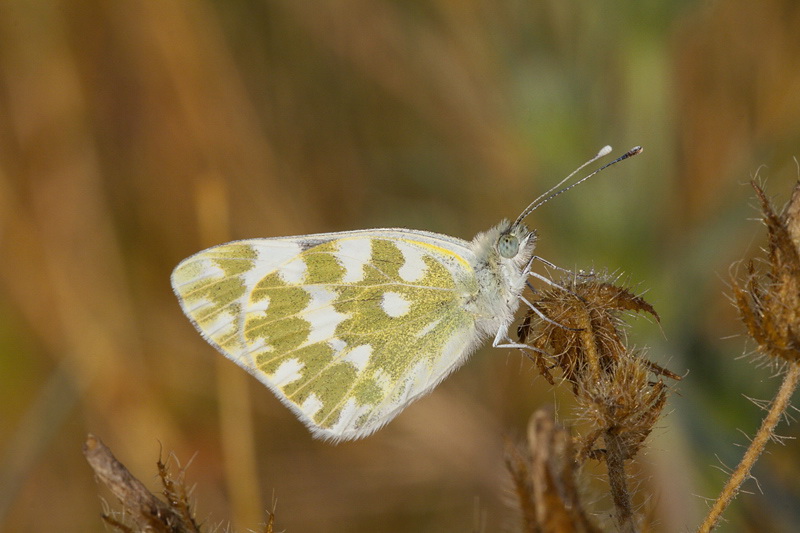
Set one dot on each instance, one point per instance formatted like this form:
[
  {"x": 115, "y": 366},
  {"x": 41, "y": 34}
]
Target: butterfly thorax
[{"x": 500, "y": 280}]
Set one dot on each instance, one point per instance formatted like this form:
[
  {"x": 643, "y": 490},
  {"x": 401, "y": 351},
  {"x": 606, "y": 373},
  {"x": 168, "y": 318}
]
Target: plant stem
[
  {"x": 765, "y": 432},
  {"x": 618, "y": 481}
]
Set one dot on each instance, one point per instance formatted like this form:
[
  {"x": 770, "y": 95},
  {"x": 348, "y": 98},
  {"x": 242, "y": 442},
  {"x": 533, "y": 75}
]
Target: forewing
[{"x": 345, "y": 328}]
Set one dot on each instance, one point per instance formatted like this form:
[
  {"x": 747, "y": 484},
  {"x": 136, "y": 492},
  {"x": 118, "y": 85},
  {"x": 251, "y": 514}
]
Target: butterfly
[{"x": 349, "y": 328}]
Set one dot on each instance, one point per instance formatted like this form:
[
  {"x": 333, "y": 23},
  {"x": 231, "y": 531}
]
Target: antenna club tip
[
  {"x": 635, "y": 150},
  {"x": 604, "y": 151}
]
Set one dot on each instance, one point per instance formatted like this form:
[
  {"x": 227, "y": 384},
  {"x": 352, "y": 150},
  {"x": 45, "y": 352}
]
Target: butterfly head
[
  {"x": 513, "y": 244},
  {"x": 515, "y": 240}
]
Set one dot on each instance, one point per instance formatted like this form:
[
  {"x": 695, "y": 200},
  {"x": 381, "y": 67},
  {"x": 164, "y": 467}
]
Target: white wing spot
[
  {"x": 414, "y": 382},
  {"x": 359, "y": 356},
  {"x": 195, "y": 269},
  {"x": 246, "y": 357},
  {"x": 321, "y": 315},
  {"x": 454, "y": 352},
  {"x": 293, "y": 272},
  {"x": 192, "y": 305},
  {"x": 220, "y": 324},
  {"x": 394, "y": 304},
  {"x": 272, "y": 255},
  {"x": 311, "y": 405},
  {"x": 414, "y": 267},
  {"x": 262, "y": 265},
  {"x": 288, "y": 372},
  {"x": 353, "y": 254},
  {"x": 257, "y": 307}
]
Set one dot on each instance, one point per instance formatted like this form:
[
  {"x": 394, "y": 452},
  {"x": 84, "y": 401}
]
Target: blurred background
[{"x": 134, "y": 133}]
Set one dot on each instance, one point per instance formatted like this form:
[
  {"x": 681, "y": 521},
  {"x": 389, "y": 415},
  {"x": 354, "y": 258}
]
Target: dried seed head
[
  {"x": 545, "y": 478},
  {"x": 618, "y": 391},
  {"x": 769, "y": 300},
  {"x": 584, "y": 332},
  {"x": 624, "y": 405}
]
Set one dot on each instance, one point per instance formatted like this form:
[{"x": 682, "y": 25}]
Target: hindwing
[{"x": 345, "y": 328}]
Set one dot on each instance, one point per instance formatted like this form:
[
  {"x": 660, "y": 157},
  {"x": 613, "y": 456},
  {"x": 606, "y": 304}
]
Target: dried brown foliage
[
  {"x": 584, "y": 328},
  {"x": 620, "y": 394},
  {"x": 545, "y": 477},
  {"x": 768, "y": 301},
  {"x": 143, "y": 510}
]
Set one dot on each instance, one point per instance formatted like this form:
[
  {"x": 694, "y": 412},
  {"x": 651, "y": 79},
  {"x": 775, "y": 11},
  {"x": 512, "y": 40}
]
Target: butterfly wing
[{"x": 345, "y": 328}]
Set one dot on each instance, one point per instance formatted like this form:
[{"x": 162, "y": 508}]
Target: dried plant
[
  {"x": 142, "y": 510},
  {"x": 768, "y": 301},
  {"x": 545, "y": 479},
  {"x": 582, "y": 328},
  {"x": 620, "y": 394}
]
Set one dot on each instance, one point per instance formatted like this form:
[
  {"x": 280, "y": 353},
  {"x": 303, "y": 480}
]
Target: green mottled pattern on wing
[{"x": 262, "y": 320}]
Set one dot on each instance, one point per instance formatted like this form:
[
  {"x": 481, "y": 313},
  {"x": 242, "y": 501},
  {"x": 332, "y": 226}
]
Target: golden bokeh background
[{"x": 135, "y": 133}]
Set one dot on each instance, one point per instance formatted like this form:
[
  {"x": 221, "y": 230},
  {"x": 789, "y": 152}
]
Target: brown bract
[
  {"x": 544, "y": 474},
  {"x": 143, "y": 510},
  {"x": 583, "y": 331},
  {"x": 768, "y": 299}
]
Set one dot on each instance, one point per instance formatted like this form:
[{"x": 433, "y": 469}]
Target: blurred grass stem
[
  {"x": 764, "y": 434},
  {"x": 235, "y": 411}
]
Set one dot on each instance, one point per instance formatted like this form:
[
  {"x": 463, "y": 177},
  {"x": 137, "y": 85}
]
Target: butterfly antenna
[{"x": 553, "y": 192}]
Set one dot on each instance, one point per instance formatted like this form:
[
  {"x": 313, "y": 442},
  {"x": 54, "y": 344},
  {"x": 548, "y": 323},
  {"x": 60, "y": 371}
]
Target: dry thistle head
[
  {"x": 769, "y": 301},
  {"x": 623, "y": 406},
  {"x": 585, "y": 337},
  {"x": 584, "y": 332},
  {"x": 544, "y": 474}
]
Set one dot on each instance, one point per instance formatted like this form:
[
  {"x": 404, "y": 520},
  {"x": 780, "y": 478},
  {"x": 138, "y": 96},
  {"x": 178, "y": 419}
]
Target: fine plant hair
[{"x": 577, "y": 336}]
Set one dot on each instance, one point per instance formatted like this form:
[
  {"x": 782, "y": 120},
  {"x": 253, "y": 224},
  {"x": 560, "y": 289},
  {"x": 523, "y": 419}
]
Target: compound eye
[{"x": 508, "y": 245}]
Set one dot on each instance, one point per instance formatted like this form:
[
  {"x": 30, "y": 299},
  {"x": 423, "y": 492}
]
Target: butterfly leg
[
  {"x": 502, "y": 340},
  {"x": 546, "y": 280},
  {"x": 529, "y": 272},
  {"x": 553, "y": 284},
  {"x": 549, "y": 264},
  {"x": 536, "y": 310},
  {"x": 554, "y": 266}
]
